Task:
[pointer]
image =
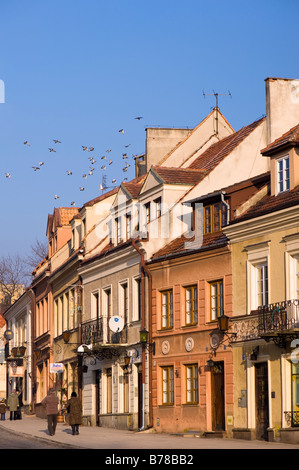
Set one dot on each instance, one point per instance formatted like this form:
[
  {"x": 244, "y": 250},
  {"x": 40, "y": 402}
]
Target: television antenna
[{"x": 217, "y": 99}]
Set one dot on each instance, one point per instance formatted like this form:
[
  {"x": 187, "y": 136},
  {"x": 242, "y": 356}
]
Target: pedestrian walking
[
  {"x": 2, "y": 409},
  {"x": 74, "y": 408},
  {"x": 50, "y": 402},
  {"x": 13, "y": 403},
  {"x": 19, "y": 410}
]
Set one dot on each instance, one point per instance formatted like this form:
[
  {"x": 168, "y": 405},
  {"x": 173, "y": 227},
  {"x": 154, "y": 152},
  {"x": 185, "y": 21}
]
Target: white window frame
[
  {"x": 136, "y": 299},
  {"x": 283, "y": 180},
  {"x": 257, "y": 255}
]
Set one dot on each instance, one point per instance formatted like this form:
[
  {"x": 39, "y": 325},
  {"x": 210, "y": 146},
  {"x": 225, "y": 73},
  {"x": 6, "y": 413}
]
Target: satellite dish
[{"x": 116, "y": 324}]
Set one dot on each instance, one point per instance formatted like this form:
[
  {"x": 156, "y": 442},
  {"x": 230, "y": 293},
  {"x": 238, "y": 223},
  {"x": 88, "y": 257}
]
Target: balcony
[
  {"x": 97, "y": 332},
  {"x": 279, "y": 321}
]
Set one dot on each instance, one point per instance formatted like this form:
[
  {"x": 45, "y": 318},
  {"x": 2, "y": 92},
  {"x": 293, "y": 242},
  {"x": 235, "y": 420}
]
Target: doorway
[
  {"x": 140, "y": 399},
  {"x": 98, "y": 396},
  {"x": 217, "y": 396},
  {"x": 261, "y": 400}
]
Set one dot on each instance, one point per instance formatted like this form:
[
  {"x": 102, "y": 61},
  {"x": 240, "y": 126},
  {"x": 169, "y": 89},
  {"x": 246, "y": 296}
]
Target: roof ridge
[
  {"x": 229, "y": 139},
  {"x": 191, "y": 133}
]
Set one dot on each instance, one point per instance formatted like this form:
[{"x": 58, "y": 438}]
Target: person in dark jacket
[
  {"x": 50, "y": 402},
  {"x": 75, "y": 413}
]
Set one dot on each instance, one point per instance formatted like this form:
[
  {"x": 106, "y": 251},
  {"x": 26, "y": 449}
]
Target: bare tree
[
  {"x": 12, "y": 278},
  {"x": 39, "y": 251}
]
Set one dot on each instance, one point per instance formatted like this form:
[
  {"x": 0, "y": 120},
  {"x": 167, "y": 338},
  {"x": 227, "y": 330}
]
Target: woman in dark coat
[{"x": 75, "y": 413}]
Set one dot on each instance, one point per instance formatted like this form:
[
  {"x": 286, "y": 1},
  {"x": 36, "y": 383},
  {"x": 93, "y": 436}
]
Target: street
[{"x": 10, "y": 440}]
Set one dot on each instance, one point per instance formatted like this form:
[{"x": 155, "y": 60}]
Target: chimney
[{"x": 282, "y": 106}]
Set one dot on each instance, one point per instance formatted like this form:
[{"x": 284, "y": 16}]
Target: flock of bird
[{"x": 105, "y": 162}]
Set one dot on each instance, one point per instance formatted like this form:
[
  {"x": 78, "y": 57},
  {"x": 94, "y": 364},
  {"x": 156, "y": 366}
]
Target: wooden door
[
  {"x": 218, "y": 415},
  {"x": 98, "y": 373},
  {"x": 261, "y": 400}
]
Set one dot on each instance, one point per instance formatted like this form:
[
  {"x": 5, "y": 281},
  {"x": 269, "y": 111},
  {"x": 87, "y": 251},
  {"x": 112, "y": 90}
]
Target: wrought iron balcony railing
[
  {"x": 278, "y": 321},
  {"x": 98, "y": 332},
  {"x": 279, "y": 317},
  {"x": 292, "y": 418}
]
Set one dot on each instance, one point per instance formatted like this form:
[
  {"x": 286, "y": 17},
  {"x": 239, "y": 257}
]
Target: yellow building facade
[{"x": 265, "y": 266}]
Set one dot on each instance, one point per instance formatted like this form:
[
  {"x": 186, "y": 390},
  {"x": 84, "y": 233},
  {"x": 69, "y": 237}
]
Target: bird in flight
[
  {"x": 85, "y": 148},
  {"x": 103, "y": 167},
  {"x": 69, "y": 172},
  {"x": 122, "y": 131},
  {"x": 41, "y": 163},
  {"x": 56, "y": 196},
  {"x": 114, "y": 180},
  {"x": 110, "y": 162},
  {"x": 26, "y": 143},
  {"x": 109, "y": 150},
  {"x": 8, "y": 175},
  {"x": 56, "y": 141},
  {"x": 84, "y": 176},
  {"x": 52, "y": 150},
  {"x": 36, "y": 168},
  {"x": 92, "y": 160},
  {"x": 91, "y": 149},
  {"x": 81, "y": 188},
  {"x": 72, "y": 203},
  {"x": 126, "y": 146},
  {"x": 124, "y": 156},
  {"x": 138, "y": 118}
]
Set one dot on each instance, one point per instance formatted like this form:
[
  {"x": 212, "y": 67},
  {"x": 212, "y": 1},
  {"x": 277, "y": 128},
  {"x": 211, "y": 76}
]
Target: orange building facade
[{"x": 191, "y": 286}]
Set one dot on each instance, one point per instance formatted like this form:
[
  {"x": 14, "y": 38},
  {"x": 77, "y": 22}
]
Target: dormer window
[
  {"x": 215, "y": 216},
  {"x": 283, "y": 174}
]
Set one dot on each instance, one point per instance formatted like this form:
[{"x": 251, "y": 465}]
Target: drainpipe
[{"x": 145, "y": 271}]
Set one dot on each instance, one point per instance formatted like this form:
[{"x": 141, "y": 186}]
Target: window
[
  {"x": 123, "y": 306},
  {"x": 262, "y": 284},
  {"x": 136, "y": 312},
  {"x": 118, "y": 229},
  {"x": 157, "y": 206},
  {"x": 167, "y": 309},
  {"x": 283, "y": 174},
  {"x": 147, "y": 213},
  {"x": 215, "y": 217},
  {"x": 128, "y": 226},
  {"x": 191, "y": 305},
  {"x": 95, "y": 305},
  {"x": 216, "y": 299},
  {"x": 192, "y": 383},
  {"x": 126, "y": 392},
  {"x": 109, "y": 390},
  {"x": 167, "y": 386}
]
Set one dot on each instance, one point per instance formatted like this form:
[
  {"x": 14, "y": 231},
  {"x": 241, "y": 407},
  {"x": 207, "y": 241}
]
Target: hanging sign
[
  {"x": 16, "y": 371},
  {"x": 56, "y": 368}
]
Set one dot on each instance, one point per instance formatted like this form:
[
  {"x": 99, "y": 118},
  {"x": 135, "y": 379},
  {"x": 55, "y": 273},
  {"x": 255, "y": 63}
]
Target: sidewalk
[{"x": 106, "y": 438}]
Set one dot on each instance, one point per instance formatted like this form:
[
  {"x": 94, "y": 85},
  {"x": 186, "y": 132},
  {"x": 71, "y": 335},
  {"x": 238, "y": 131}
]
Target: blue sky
[{"x": 78, "y": 71}]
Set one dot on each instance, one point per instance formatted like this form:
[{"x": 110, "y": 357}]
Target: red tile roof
[
  {"x": 289, "y": 138},
  {"x": 271, "y": 204},
  {"x": 184, "y": 176},
  {"x": 177, "y": 247},
  {"x": 101, "y": 198},
  {"x": 134, "y": 186},
  {"x": 218, "y": 151}
]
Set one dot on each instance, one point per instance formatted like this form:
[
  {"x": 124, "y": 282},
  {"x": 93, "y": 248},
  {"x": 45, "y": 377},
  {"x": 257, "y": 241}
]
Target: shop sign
[{"x": 56, "y": 368}]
